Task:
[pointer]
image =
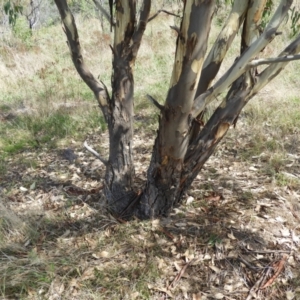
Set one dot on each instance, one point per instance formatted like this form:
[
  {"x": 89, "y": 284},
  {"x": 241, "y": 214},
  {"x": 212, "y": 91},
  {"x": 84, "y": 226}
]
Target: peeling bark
[
  {"x": 175, "y": 162},
  {"x": 216, "y": 56},
  {"x": 164, "y": 173},
  {"x": 217, "y": 53}
]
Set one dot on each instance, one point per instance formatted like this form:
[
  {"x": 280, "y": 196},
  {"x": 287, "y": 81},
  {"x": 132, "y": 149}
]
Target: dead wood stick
[
  {"x": 90, "y": 149},
  {"x": 280, "y": 267},
  {"x": 167, "y": 233},
  {"x": 258, "y": 284},
  {"x": 179, "y": 275}
]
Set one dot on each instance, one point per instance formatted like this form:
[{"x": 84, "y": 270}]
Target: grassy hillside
[{"x": 239, "y": 222}]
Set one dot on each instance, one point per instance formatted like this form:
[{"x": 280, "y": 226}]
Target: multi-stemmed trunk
[{"x": 183, "y": 143}]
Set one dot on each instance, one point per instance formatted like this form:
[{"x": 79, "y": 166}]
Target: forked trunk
[
  {"x": 183, "y": 144},
  {"x": 181, "y": 148}
]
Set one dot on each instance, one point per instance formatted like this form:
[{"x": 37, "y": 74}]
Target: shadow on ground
[{"x": 58, "y": 241}]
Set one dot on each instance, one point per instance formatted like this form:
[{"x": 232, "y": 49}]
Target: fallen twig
[
  {"x": 179, "y": 275},
  {"x": 258, "y": 284},
  {"x": 265, "y": 251},
  {"x": 167, "y": 233},
  {"x": 280, "y": 267},
  {"x": 245, "y": 262},
  {"x": 105, "y": 162},
  {"x": 269, "y": 251}
]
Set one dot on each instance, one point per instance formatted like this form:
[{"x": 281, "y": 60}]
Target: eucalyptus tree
[{"x": 183, "y": 142}]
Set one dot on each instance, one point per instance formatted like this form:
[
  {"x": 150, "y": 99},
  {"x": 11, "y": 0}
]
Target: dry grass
[{"x": 58, "y": 242}]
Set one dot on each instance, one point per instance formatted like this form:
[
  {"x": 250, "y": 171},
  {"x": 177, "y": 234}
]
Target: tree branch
[
  {"x": 125, "y": 27},
  {"x": 274, "y": 69},
  {"x": 264, "y": 61},
  {"x": 33, "y": 15},
  {"x": 191, "y": 48},
  {"x": 70, "y": 29},
  {"x": 153, "y": 101},
  {"x": 175, "y": 28},
  {"x": 252, "y": 22},
  {"x": 165, "y": 11},
  {"x": 240, "y": 66},
  {"x": 90, "y": 149},
  {"x": 104, "y": 12},
  {"x": 137, "y": 36},
  {"x": 217, "y": 53}
]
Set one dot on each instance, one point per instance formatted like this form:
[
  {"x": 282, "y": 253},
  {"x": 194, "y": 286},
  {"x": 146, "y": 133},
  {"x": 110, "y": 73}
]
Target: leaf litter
[{"x": 236, "y": 235}]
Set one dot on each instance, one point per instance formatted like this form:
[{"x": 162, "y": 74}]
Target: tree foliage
[{"x": 12, "y": 10}]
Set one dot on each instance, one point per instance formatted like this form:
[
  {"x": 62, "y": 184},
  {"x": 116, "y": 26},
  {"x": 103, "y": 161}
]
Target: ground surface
[{"x": 236, "y": 236}]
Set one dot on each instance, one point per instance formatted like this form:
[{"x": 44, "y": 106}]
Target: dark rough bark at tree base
[{"x": 120, "y": 171}]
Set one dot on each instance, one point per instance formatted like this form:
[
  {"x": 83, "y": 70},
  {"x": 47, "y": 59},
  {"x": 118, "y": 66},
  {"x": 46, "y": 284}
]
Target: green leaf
[{"x": 7, "y": 7}]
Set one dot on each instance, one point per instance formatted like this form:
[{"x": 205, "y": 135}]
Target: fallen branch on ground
[{"x": 105, "y": 162}]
